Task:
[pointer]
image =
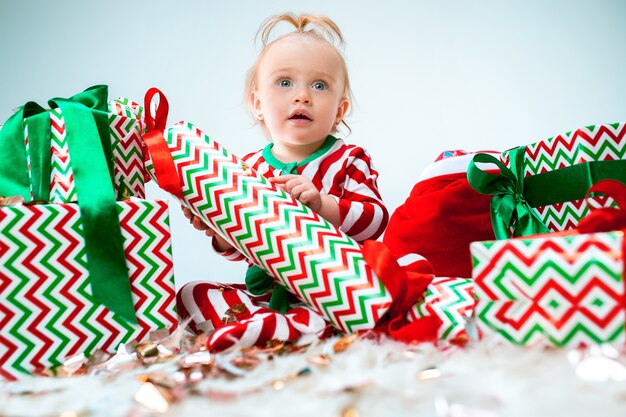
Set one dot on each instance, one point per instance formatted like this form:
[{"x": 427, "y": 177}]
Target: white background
[{"x": 427, "y": 75}]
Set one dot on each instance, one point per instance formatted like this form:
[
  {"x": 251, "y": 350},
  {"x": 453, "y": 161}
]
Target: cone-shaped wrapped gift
[{"x": 313, "y": 259}]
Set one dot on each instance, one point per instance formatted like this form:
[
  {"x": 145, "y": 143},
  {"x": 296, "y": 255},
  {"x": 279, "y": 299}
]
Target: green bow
[
  {"x": 89, "y": 143},
  {"x": 509, "y": 208}
]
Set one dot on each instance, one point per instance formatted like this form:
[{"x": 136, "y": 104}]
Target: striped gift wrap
[{"x": 47, "y": 311}]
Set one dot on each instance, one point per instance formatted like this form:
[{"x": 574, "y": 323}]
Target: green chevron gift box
[
  {"x": 26, "y": 146},
  {"x": 541, "y": 187},
  {"x": 559, "y": 289},
  {"x": 122, "y": 125},
  {"x": 47, "y": 309}
]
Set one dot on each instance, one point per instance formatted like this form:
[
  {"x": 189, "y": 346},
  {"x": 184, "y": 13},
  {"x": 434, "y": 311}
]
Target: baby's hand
[
  {"x": 197, "y": 222},
  {"x": 301, "y": 188}
]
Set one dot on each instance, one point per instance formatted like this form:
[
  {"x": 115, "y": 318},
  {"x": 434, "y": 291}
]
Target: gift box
[
  {"x": 541, "y": 187},
  {"x": 65, "y": 153},
  {"x": 47, "y": 308},
  {"x": 554, "y": 289},
  {"x": 321, "y": 265},
  {"x": 125, "y": 126},
  {"x": 570, "y": 163},
  {"x": 451, "y": 299}
]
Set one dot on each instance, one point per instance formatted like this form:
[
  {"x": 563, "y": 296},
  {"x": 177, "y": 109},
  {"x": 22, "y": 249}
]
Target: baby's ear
[
  {"x": 342, "y": 109},
  {"x": 254, "y": 103}
]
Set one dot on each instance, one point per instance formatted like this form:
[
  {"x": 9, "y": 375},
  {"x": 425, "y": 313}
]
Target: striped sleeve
[
  {"x": 362, "y": 212},
  {"x": 231, "y": 254}
]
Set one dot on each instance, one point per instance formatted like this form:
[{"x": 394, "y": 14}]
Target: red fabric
[
  {"x": 424, "y": 329},
  {"x": 406, "y": 287},
  {"x": 438, "y": 221},
  {"x": 607, "y": 218}
]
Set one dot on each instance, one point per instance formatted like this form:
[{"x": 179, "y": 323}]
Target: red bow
[
  {"x": 164, "y": 168},
  {"x": 407, "y": 288}
]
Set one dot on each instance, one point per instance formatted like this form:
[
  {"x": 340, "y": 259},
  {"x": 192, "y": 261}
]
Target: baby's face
[{"x": 300, "y": 90}]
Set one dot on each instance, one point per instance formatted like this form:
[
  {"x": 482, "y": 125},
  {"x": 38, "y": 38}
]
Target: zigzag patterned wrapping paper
[
  {"x": 47, "y": 312},
  {"x": 125, "y": 128},
  {"x": 592, "y": 143},
  {"x": 312, "y": 258},
  {"x": 452, "y": 300},
  {"x": 555, "y": 290}
]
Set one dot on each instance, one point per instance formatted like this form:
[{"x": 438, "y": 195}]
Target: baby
[{"x": 298, "y": 90}]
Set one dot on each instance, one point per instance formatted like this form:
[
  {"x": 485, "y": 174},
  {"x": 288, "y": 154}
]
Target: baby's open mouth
[{"x": 299, "y": 116}]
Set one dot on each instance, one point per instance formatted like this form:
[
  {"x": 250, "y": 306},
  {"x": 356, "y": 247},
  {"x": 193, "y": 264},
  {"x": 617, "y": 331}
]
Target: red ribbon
[
  {"x": 407, "y": 288},
  {"x": 164, "y": 168},
  {"x": 607, "y": 218}
]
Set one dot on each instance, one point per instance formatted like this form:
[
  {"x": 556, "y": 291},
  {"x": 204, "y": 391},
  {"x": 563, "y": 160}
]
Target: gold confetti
[
  {"x": 320, "y": 359},
  {"x": 11, "y": 201},
  {"x": 98, "y": 357},
  {"x": 344, "y": 343},
  {"x": 229, "y": 319},
  {"x": 236, "y": 309},
  {"x": 196, "y": 358},
  {"x": 246, "y": 168},
  {"x": 161, "y": 380},
  {"x": 152, "y": 398},
  {"x": 159, "y": 334},
  {"x": 246, "y": 362},
  {"x": 123, "y": 192},
  {"x": 428, "y": 373},
  {"x": 35, "y": 202},
  {"x": 278, "y": 385},
  {"x": 74, "y": 364},
  {"x": 349, "y": 412},
  {"x": 147, "y": 349}
]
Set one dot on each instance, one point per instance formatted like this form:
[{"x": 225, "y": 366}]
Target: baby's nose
[{"x": 301, "y": 96}]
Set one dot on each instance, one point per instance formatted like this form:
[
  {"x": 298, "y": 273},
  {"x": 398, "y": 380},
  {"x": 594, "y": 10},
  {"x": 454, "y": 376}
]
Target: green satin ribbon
[
  {"x": 87, "y": 135},
  {"x": 509, "y": 207},
  {"x": 552, "y": 187},
  {"x": 14, "y": 178},
  {"x": 571, "y": 183}
]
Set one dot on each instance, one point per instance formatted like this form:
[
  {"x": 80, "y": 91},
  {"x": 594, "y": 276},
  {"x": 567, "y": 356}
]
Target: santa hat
[{"x": 441, "y": 217}]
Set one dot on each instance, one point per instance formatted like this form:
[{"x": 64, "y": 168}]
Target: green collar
[{"x": 291, "y": 167}]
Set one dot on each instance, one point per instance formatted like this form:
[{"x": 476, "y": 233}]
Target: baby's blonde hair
[{"x": 324, "y": 29}]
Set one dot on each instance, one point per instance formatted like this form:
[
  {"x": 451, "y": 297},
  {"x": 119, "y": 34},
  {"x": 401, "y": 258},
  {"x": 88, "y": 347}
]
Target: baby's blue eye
[
  {"x": 285, "y": 83},
  {"x": 319, "y": 86}
]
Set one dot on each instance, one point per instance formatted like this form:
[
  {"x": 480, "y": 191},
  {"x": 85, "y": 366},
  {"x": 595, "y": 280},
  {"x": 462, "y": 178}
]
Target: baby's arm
[{"x": 361, "y": 209}]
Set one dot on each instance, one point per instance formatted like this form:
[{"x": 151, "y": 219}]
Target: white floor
[{"x": 368, "y": 379}]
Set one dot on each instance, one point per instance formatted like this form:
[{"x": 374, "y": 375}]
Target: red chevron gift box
[
  {"x": 551, "y": 289},
  {"x": 562, "y": 289},
  {"x": 451, "y": 299},
  {"x": 125, "y": 126},
  {"x": 541, "y": 187},
  {"x": 314, "y": 260},
  {"x": 47, "y": 311}
]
